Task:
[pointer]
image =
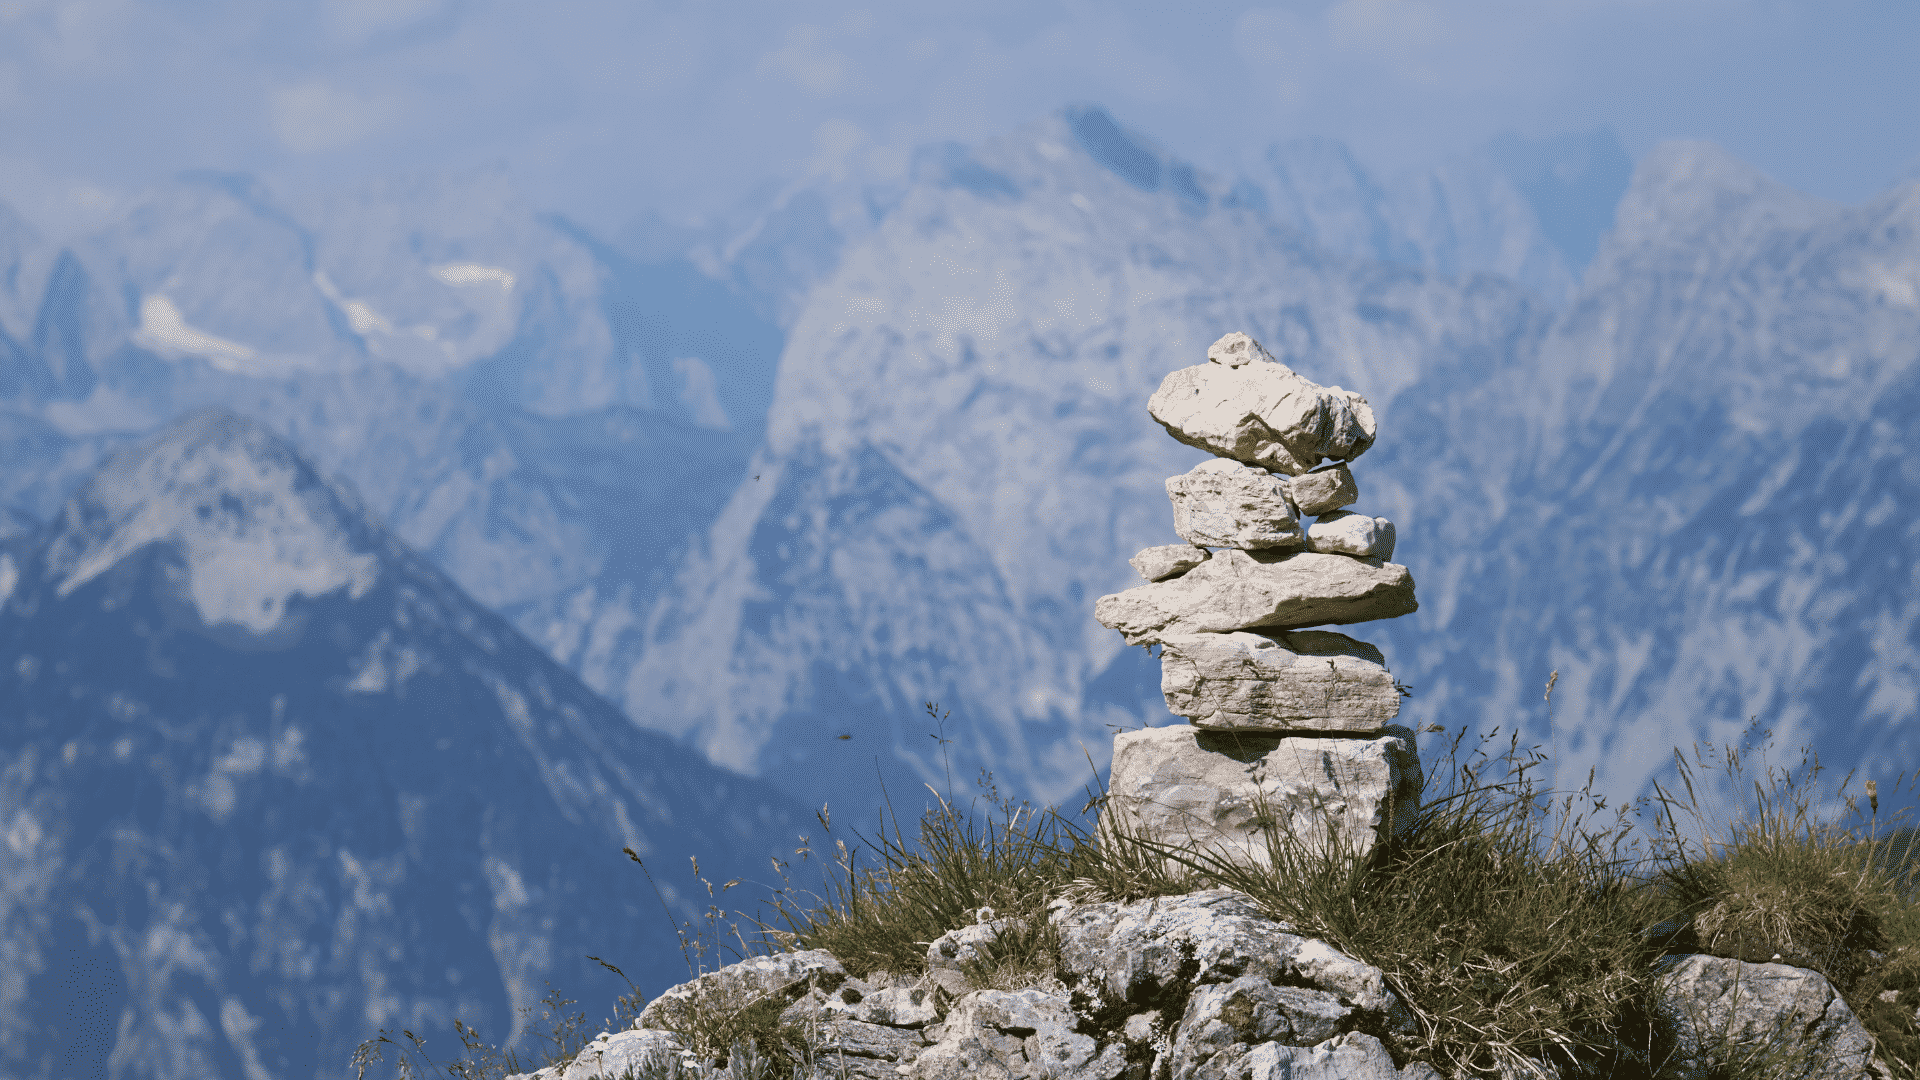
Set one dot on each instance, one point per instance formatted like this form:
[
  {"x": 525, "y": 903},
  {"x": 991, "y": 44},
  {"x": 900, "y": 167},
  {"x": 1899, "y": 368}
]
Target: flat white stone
[
  {"x": 1207, "y": 790},
  {"x": 1346, "y": 533},
  {"x": 1222, "y": 503},
  {"x": 1167, "y": 560},
  {"x": 1261, "y": 412},
  {"x": 1314, "y": 680},
  {"x": 1324, "y": 490},
  {"x": 1242, "y": 590}
]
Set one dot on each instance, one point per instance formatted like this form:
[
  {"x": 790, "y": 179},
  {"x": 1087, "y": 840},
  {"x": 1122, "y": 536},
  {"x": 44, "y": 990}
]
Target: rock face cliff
[{"x": 271, "y": 781}]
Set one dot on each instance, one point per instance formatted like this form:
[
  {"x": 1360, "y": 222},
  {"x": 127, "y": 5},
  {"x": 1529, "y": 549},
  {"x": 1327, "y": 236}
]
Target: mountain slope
[
  {"x": 273, "y": 781},
  {"x": 958, "y": 461}
]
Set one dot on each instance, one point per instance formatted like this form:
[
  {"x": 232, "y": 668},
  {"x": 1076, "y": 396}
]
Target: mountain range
[
  {"x": 273, "y": 782},
  {"x": 881, "y": 440}
]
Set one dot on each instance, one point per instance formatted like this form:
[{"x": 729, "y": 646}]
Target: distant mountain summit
[{"x": 269, "y": 781}]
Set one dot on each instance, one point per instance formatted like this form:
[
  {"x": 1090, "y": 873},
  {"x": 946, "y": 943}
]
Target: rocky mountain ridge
[{"x": 271, "y": 781}]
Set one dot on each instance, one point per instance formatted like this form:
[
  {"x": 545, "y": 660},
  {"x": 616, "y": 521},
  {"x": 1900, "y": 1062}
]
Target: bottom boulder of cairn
[{"x": 1215, "y": 791}]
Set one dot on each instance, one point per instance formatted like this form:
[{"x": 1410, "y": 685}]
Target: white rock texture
[
  {"x": 1324, "y": 490},
  {"x": 1207, "y": 790},
  {"x": 1345, "y": 533},
  {"x": 1167, "y": 560},
  {"x": 1009, "y": 1034},
  {"x": 1242, "y": 590},
  {"x": 953, "y": 949},
  {"x": 1278, "y": 680},
  {"x": 786, "y": 976},
  {"x": 1120, "y": 958},
  {"x": 1704, "y": 996},
  {"x": 1222, "y": 503},
  {"x": 615, "y": 1055},
  {"x": 1260, "y": 412}
]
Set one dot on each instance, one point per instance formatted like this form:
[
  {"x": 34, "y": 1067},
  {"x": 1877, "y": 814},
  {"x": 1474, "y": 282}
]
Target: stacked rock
[{"x": 1288, "y": 726}]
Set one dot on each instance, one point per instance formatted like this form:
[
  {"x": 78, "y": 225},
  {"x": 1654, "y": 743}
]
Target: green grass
[{"x": 1509, "y": 944}]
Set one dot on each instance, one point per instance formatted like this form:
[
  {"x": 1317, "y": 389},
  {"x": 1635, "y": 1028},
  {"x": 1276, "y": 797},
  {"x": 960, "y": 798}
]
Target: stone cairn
[{"x": 1292, "y": 723}]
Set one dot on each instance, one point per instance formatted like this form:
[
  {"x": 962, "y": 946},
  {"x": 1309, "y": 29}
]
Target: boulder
[
  {"x": 1352, "y": 1056},
  {"x": 1242, "y": 590},
  {"x": 1278, "y": 680},
  {"x": 616, "y": 1055},
  {"x": 1324, "y": 490},
  {"x": 1015, "y": 1034},
  {"x": 786, "y": 976},
  {"x": 1120, "y": 959},
  {"x": 1224, "y": 1022},
  {"x": 1346, "y": 533},
  {"x": 1243, "y": 404},
  {"x": 1222, "y": 503},
  {"x": 1702, "y": 999},
  {"x": 953, "y": 949},
  {"x": 1167, "y": 561},
  {"x": 1208, "y": 790}
]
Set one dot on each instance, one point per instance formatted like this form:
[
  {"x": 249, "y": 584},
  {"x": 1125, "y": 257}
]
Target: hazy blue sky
[{"x": 603, "y": 108}]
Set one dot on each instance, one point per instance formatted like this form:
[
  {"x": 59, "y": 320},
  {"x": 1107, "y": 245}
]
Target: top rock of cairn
[{"x": 1245, "y": 405}]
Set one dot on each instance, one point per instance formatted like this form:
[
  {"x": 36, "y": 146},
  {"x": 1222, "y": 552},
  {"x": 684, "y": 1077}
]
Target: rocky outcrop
[{"x": 1204, "y": 986}]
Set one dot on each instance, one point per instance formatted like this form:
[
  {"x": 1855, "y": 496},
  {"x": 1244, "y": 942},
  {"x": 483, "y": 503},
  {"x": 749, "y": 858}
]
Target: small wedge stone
[
  {"x": 1324, "y": 490},
  {"x": 1345, "y": 533},
  {"x": 1167, "y": 561}
]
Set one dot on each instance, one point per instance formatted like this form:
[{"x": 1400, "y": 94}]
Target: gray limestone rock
[
  {"x": 1123, "y": 958},
  {"x": 614, "y": 1054},
  {"x": 1752, "y": 1004},
  {"x": 1014, "y": 1034},
  {"x": 1278, "y": 680},
  {"x": 1345, "y": 533},
  {"x": 1352, "y": 1056},
  {"x": 1167, "y": 561},
  {"x": 1244, "y": 405},
  {"x": 1224, "y": 1022},
  {"x": 1242, "y": 590},
  {"x": 787, "y": 976},
  {"x": 954, "y": 948},
  {"x": 1204, "y": 790},
  {"x": 1324, "y": 490},
  {"x": 1222, "y": 503}
]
